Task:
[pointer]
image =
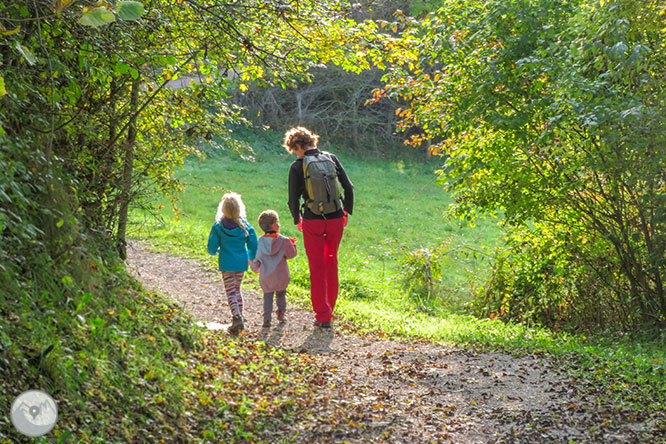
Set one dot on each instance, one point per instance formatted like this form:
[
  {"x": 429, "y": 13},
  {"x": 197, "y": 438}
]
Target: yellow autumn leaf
[
  {"x": 4, "y": 30},
  {"x": 61, "y": 4}
]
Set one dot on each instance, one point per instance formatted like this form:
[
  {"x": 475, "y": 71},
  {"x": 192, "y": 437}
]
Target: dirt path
[{"x": 408, "y": 392}]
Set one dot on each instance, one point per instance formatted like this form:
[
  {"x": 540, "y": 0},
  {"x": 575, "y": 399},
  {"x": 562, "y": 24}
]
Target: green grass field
[{"x": 398, "y": 210}]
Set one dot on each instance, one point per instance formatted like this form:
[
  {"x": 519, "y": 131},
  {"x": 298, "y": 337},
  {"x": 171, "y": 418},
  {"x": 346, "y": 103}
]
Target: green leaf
[
  {"x": 87, "y": 297},
  {"x": 64, "y": 437},
  {"x": 84, "y": 300},
  {"x": 134, "y": 73},
  {"x": 130, "y": 10},
  {"x": 97, "y": 17},
  {"x": 97, "y": 324},
  {"x": 60, "y": 223},
  {"x": 619, "y": 49},
  {"x": 27, "y": 55},
  {"x": 3, "y": 91},
  {"x": 121, "y": 68}
]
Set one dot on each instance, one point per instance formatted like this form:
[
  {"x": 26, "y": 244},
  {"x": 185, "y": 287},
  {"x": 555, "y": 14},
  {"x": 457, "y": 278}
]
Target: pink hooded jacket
[{"x": 271, "y": 262}]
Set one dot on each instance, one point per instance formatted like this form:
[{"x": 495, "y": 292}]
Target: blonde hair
[
  {"x": 299, "y": 136},
  {"x": 232, "y": 207},
  {"x": 267, "y": 219}
]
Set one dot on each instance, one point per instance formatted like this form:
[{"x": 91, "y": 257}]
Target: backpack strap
[
  {"x": 337, "y": 196},
  {"x": 306, "y": 195}
]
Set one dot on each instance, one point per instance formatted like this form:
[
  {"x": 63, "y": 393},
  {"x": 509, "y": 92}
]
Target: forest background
[{"x": 545, "y": 115}]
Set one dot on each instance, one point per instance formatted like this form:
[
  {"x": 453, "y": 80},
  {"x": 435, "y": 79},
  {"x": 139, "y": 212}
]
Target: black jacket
[{"x": 297, "y": 190}]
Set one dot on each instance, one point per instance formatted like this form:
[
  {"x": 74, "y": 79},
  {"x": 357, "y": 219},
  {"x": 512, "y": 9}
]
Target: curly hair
[
  {"x": 299, "y": 136},
  {"x": 267, "y": 219}
]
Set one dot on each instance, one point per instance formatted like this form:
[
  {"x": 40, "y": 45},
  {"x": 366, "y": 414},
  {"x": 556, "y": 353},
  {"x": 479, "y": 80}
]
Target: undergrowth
[{"x": 125, "y": 365}]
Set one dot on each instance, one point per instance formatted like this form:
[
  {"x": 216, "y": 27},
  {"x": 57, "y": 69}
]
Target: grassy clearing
[{"x": 398, "y": 210}]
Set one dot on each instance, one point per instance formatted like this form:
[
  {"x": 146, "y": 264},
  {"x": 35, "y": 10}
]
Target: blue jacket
[{"x": 234, "y": 246}]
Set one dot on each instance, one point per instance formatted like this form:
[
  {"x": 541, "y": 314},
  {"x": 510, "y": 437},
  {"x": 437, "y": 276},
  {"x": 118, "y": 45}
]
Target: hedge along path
[{"x": 404, "y": 391}]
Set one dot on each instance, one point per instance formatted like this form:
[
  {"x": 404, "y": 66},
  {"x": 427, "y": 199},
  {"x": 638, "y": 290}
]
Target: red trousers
[{"x": 321, "y": 239}]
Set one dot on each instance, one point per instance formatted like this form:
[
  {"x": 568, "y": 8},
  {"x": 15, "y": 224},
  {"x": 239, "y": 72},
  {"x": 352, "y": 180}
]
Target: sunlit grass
[{"x": 398, "y": 207}]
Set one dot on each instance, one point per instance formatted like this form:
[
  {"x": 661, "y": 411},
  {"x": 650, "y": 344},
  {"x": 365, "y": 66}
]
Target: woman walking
[{"x": 318, "y": 178}]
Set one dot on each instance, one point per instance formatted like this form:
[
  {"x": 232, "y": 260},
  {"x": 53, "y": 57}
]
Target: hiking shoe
[
  {"x": 322, "y": 324},
  {"x": 266, "y": 324},
  {"x": 237, "y": 325},
  {"x": 282, "y": 318}
]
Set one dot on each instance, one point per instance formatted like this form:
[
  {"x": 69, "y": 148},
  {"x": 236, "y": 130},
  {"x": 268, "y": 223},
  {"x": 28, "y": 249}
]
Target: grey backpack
[{"x": 322, "y": 187}]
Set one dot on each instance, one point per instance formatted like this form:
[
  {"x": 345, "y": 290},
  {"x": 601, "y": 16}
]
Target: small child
[
  {"x": 271, "y": 262},
  {"x": 235, "y": 240}
]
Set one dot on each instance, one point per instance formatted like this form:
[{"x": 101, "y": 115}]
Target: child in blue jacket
[{"x": 236, "y": 241}]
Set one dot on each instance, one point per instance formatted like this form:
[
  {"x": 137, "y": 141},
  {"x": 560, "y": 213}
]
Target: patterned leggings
[{"x": 232, "y": 283}]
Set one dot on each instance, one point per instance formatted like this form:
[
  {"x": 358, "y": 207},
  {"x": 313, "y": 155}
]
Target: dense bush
[
  {"x": 558, "y": 278},
  {"x": 550, "y": 113},
  {"x": 422, "y": 272}
]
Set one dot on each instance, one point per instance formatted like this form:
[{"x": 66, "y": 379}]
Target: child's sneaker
[
  {"x": 237, "y": 325},
  {"x": 282, "y": 318}
]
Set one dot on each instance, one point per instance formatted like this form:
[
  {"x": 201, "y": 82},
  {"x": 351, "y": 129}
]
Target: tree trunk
[
  {"x": 355, "y": 117},
  {"x": 299, "y": 105},
  {"x": 128, "y": 168}
]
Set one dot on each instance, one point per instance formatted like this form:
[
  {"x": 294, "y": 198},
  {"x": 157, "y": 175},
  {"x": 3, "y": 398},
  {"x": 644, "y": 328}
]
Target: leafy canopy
[{"x": 548, "y": 113}]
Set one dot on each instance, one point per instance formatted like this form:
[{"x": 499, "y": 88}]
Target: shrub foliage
[{"x": 551, "y": 113}]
